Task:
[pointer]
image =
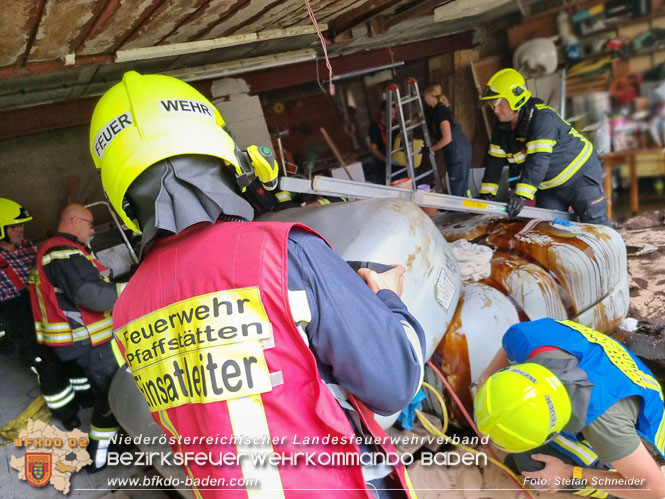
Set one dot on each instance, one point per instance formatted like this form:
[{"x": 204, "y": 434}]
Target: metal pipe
[{"x": 132, "y": 254}]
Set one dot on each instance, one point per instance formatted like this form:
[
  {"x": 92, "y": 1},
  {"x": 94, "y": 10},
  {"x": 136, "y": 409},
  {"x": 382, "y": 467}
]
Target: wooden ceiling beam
[
  {"x": 276, "y": 4},
  {"x": 420, "y": 9},
  {"x": 51, "y": 66},
  {"x": 185, "y": 20},
  {"x": 359, "y": 15},
  {"x": 36, "y": 20},
  {"x": 104, "y": 12},
  {"x": 145, "y": 15},
  {"x": 298, "y": 74},
  {"x": 29, "y": 120},
  {"x": 240, "y": 4}
]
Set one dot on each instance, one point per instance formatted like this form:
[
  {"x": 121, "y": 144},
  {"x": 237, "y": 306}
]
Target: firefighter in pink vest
[
  {"x": 72, "y": 299},
  {"x": 247, "y": 339}
]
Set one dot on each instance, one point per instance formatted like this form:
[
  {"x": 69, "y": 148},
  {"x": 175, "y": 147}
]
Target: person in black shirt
[
  {"x": 447, "y": 135},
  {"x": 378, "y": 139}
]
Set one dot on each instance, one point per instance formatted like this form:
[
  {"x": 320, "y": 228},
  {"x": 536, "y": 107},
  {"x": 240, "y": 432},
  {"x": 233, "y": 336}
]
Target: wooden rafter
[
  {"x": 36, "y": 20},
  {"x": 359, "y": 15},
  {"x": 145, "y": 15},
  {"x": 239, "y": 5},
  {"x": 201, "y": 8},
  {"x": 50, "y": 66},
  {"x": 267, "y": 8},
  {"x": 103, "y": 13},
  {"x": 419, "y": 9}
]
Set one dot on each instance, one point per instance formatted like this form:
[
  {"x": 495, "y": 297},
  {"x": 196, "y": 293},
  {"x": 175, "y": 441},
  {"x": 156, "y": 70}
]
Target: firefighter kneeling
[{"x": 573, "y": 407}]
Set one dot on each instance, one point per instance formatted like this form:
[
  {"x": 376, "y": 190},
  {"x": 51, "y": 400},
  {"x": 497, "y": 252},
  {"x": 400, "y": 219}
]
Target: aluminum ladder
[
  {"x": 326, "y": 186},
  {"x": 404, "y": 105}
]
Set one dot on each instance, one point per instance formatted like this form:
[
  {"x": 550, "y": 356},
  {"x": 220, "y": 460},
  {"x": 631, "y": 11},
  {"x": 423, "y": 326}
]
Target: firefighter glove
[{"x": 515, "y": 205}]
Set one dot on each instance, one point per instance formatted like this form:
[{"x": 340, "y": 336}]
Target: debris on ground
[{"x": 646, "y": 270}]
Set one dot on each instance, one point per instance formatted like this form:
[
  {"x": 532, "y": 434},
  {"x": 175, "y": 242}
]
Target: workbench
[{"x": 617, "y": 158}]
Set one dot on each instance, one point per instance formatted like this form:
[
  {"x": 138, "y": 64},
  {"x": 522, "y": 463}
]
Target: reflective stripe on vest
[
  {"x": 170, "y": 428},
  {"x": 581, "y": 452},
  {"x": 51, "y": 327}
]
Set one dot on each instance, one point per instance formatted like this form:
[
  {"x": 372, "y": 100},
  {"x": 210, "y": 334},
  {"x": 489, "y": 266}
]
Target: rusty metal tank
[{"x": 538, "y": 269}]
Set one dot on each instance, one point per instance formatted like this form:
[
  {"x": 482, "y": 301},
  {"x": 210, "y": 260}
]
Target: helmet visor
[{"x": 489, "y": 93}]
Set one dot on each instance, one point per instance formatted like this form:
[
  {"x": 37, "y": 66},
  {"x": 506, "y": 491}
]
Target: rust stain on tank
[{"x": 451, "y": 356}]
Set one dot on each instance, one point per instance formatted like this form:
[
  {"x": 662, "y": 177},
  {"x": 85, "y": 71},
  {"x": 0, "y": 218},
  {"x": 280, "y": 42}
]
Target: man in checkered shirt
[{"x": 63, "y": 385}]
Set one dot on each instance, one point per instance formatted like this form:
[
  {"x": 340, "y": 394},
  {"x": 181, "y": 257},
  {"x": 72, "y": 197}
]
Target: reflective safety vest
[
  {"x": 616, "y": 373},
  {"x": 208, "y": 328},
  {"x": 51, "y": 324}
]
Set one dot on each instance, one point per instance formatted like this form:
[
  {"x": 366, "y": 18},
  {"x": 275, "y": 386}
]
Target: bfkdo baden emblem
[{"x": 37, "y": 468}]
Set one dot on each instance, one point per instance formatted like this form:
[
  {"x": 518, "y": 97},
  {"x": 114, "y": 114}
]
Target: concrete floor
[{"x": 18, "y": 388}]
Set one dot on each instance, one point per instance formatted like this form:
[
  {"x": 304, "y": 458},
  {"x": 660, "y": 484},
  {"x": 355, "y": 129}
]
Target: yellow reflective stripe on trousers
[
  {"x": 102, "y": 433},
  {"x": 80, "y": 384},
  {"x": 584, "y": 453},
  {"x": 248, "y": 417},
  {"x": 572, "y": 168},
  {"x": 60, "y": 399},
  {"x": 487, "y": 188},
  {"x": 542, "y": 145},
  {"x": 168, "y": 426},
  {"x": 497, "y": 152}
]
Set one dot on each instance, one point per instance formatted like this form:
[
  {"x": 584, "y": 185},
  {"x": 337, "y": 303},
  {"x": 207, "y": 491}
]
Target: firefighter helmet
[
  {"x": 147, "y": 118},
  {"x": 522, "y": 407},
  {"x": 507, "y": 84},
  {"x": 11, "y": 213}
]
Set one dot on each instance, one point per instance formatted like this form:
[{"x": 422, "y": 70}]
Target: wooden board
[
  {"x": 482, "y": 70},
  {"x": 544, "y": 26},
  {"x": 466, "y": 97}
]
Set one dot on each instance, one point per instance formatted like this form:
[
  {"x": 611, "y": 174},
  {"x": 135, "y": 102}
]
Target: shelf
[{"x": 624, "y": 24}]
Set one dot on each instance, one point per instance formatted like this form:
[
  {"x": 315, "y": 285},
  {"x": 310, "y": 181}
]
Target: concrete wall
[{"x": 34, "y": 172}]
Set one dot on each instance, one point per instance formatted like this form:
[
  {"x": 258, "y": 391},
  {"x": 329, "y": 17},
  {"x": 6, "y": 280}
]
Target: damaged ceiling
[{"x": 62, "y": 50}]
